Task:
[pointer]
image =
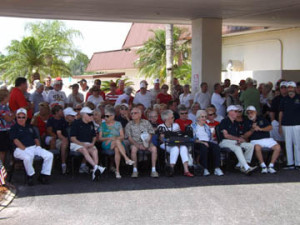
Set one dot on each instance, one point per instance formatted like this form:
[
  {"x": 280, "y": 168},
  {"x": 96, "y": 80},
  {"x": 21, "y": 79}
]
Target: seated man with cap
[
  {"x": 27, "y": 146},
  {"x": 230, "y": 138},
  {"x": 257, "y": 130},
  {"x": 83, "y": 139},
  {"x": 289, "y": 125},
  {"x": 57, "y": 134}
]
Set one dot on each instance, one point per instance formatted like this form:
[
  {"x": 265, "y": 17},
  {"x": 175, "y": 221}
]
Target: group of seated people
[{"x": 122, "y": 130}]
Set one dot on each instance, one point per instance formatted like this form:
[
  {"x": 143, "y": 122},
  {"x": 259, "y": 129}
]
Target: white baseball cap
[
  {"x": 86, "y": 110},
  {"x": 291, "y": 84},
  {"x": 69, "y": 112},
  {"x": 251, "y": 108},
  {"x": 156, "y": 81},
  {"x": 38, "y": 85},
  {"x": 21, "y": 110},
  {"x": 240, "y": 108},
  {"x": 143, "y": 85},
  {"x": 232, "y": 108},
  {"x": 283, "y": 83}
]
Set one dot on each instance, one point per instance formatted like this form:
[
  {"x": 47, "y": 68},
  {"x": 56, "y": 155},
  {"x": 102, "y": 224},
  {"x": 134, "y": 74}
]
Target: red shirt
[
  {"x": 119, "y": 92},
  {"x": 159, "y": 120},
  {"x": 112, "y": 97},
  {"x": 102, "y": 94},
  {"x": 41, "y": 125},
  {"x": 164, "y": 98},
  {"x": 213, "y": 125},
  {"x": 17, "y": 100},
  {"x": 183, "y": 123}
]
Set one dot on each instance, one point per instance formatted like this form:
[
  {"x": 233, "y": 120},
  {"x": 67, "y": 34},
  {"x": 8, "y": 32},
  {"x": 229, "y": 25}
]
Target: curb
[{"x": 8, "y": 198}]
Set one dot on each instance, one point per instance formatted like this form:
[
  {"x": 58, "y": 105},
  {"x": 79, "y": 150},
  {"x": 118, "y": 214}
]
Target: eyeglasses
[
  {"x": 211, "y": 114},
  {"x": 134, "y": 113},
  {"x": 107, "y": 116},
  {"x": 21, "y": 117},
  {"x": 203, "y": 116},
  {"x": 184, "y": 113},
  {"x": 90, "y": 114}
]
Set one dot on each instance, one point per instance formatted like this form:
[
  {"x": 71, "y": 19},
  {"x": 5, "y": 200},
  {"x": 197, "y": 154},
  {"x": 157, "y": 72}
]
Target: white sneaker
[
  {"x": 84, "y": 169},
  {"x": 206, "y": 172},
  {"x": 264, "y": 170},
  {"x": 101, "y": 169},
  {"x": 118, "y": 175},
  {"x": 218, "y": 172},
  {"x": 95, "y": 174},
  {"x": 63, "y": 168},
  {"x": 271, "y": 170}
]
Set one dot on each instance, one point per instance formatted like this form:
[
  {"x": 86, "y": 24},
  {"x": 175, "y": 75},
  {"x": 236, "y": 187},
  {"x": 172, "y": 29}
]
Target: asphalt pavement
[{"x": 231, "y": 199}]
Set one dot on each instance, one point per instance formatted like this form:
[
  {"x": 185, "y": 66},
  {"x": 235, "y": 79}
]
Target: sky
[{"x": 96, "y": 36}]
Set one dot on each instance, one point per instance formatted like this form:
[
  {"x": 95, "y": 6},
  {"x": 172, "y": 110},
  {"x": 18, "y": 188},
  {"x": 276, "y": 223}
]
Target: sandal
[
  {"x": 188, "y": 174},
  {"x": 129, "y": 162}
]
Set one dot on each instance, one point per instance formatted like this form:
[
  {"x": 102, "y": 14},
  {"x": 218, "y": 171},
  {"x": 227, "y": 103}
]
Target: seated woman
[
  {"x": 169, "y": 125},
  {"x": 40, "y": 119},
  {"x": 183, "y": 120},
  {"x": 212, "y": 122},
  {"x": 112, "y": 135},
  {"x": 204, "y": 144}
]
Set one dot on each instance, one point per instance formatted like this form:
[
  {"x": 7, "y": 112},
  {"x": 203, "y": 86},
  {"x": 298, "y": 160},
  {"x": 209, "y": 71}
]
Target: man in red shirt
[
  {"x": 163, "y": 97},
  {"x": 183, "y": 120},
  {"x": 17, "y": 97},
  {"x": 121, "y": 87}
]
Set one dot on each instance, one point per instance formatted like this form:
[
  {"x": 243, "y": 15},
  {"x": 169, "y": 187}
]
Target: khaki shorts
[
  {"x": 75, "y": 147},
  {"x": 57, "y": 143}
]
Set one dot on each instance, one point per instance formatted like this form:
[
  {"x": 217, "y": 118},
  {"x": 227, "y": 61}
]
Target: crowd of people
[{"x": 243, "y": 118}]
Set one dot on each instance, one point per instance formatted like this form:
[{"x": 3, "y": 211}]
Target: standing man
[
  {"x": 139, "y": 133},
  {"x": 203, "y": 96},
  {"x": 84, "y": 88},
  {"x": 27, "y": 146},
  {"x": 155, "y": 90},
  {"x": 17, "y": 97},
  {"x": 121, "y": 86},
  {"x": 56, "y": 96},
  {"x": 230, "y": 138},
  {"x": 112, "y": 96},
  {"x": 218, "y": 101},
  {"x": 289, "y": 124},
  {"x": 37, "y": 96},
  {"x": 251, "y": 96},
  {"x": 143, "y": 97}
]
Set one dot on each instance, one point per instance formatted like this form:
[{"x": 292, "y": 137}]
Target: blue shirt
[
  {"x": 262, "y": 123},
  {"x": 84, "y": 132},
  {"x": 232, "y": 128},
  {"x": 58, "y": 125},
  {"x": 25, "y": 135}
]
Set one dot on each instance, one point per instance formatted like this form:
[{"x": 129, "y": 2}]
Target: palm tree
[
  {"x": 152, "y": 56},
  {"x": 105, "y": 85}
]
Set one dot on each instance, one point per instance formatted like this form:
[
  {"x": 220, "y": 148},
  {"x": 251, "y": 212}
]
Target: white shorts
[
  {"x": 57, "y": 143},
  {"x": 75, "y": 147},
  {"x": 265, "y": 142}
]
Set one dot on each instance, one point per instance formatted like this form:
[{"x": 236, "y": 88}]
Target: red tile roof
[{"x": 112, "y": 60}]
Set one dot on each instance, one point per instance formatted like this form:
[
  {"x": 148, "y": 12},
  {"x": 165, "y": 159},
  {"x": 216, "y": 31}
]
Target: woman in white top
[
  {"x": 169, "y": 125},
  {"x": 204, "y": 144},
  {"x": 95, "y": 98},
  {"x": 186, "y": 97}
]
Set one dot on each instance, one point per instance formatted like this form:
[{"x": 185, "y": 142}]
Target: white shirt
[
  {"x": 143, "y": 99},
  {"x": 203, "y": 99},
  {"x": 218, "y": 102},
  {"x": 175, "y": 127},
  {"x": 192, "y": 117},
  {"x": 72, "y": 99},
  {"x": 201, "y": 134},
  {"x": 94, "y": 100},
  {"x": 185, "y": 99},
  {"x": 57, "y": 97},
  {"x": 121, "y": 98}
]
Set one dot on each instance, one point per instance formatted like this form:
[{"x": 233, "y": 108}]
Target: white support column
[{"x": 206, "y": 52}]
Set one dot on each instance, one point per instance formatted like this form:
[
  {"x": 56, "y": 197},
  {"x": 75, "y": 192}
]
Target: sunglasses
[
  {"x": 203, "y": 116},
  {"x": 185, "y": 113},
  {"x": 90, "y": 114},
  {"x": 124, "y": 108},
  {"x": 77, "y": 109},
  {"x": 107, "y": 116},
  {"x": 211, "y": 114},
  {"x": 21, "y": 117}
]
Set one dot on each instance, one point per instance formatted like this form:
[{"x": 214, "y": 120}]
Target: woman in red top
[
  {"x": 183, "y": 121},
  {"x": 40, "y": 119},
  {"x": 163, "y": 97}
]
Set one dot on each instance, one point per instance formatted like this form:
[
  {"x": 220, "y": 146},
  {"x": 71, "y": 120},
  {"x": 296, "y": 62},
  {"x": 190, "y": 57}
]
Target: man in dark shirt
[
  {"x": 232, "y": 140},
  {"x": 57, "y": 134},
  {"x": 27, "y": 146},
  {"x": 274, "y": 112},
  {"x": 257, "y": 130},
  {"x": 83, "y": 139},
  {"x": 289, "y": 125}
]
